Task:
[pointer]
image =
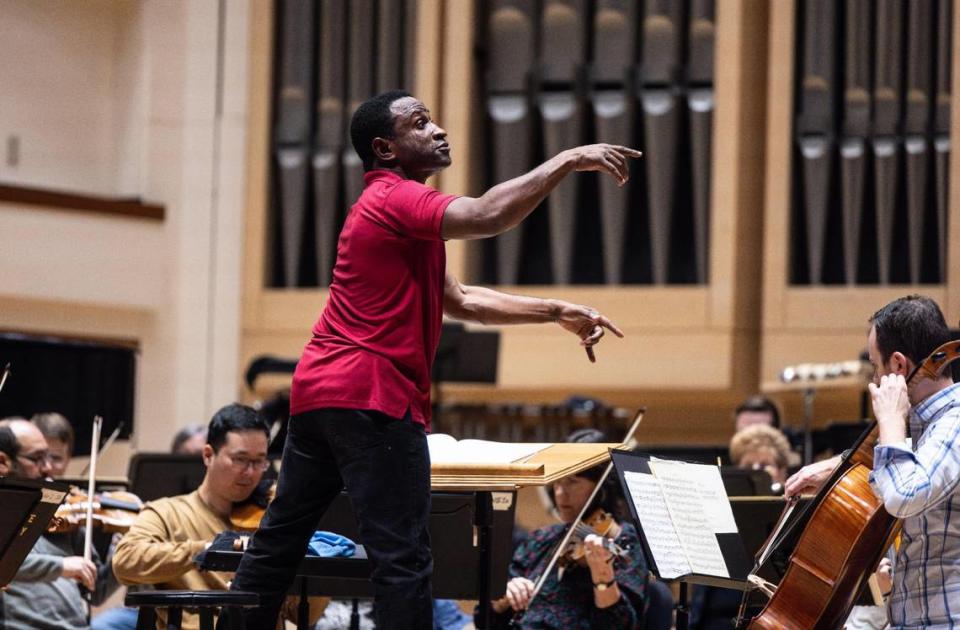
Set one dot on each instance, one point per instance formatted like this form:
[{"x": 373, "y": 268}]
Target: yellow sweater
[{"x": 160, "y": 546}]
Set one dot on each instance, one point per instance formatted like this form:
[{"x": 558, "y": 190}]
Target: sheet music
[
  {"x": 691, "y": 517},
  {"x": 444, "y": 449},
  {"x": 658, "y": 528},
  {"x": 709, "y": 484}
]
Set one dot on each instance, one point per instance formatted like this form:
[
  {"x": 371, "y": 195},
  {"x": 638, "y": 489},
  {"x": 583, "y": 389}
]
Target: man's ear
[
  {"x": 899, "y": 363},
  {"x": 6, "y": 464},
  {"x": 383, "y": 150},
  {"x": 207, "y": 454}
]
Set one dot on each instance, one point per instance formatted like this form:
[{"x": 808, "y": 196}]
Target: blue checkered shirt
[{"x": 920, "y": 487}]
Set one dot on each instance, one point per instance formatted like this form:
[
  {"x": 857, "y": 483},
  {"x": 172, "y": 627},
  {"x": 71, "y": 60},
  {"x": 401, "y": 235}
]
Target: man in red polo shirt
[{"x": 360, "y": 401}]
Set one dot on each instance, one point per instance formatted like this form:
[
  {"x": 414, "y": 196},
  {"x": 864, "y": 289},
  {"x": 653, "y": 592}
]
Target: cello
[{"x": 845, "y": 532}]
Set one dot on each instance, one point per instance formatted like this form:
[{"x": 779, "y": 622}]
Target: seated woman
[
  {"x": 761, "y": 447},
  {"x": 599, "y": 591}
]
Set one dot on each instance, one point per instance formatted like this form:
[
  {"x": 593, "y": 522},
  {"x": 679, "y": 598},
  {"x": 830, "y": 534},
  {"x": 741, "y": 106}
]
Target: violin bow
[
  {"x": 91, "y": 483},
  {"x": 3, "y": 379},
  {"x": 630, "y": 441},
  {"x": 106, "y": 446}
]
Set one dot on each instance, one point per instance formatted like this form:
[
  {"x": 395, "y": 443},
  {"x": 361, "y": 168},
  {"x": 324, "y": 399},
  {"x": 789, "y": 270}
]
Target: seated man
[
  {"x": 8, "y": 450},
  {"x": 45, "y": 592},
  {"x": 160, "y": 546},
  {"x": 189, "y": 440},
  {"x": 756, "y": 410},
  {"x": 58, "y": 432}
]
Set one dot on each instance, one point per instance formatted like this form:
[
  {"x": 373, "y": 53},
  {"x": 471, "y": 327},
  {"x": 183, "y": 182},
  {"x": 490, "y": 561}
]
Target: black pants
[{"x": 385, "y": 466}]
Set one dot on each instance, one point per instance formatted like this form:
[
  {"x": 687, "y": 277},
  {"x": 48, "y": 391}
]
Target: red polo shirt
[{"x": 374, "y": 344}]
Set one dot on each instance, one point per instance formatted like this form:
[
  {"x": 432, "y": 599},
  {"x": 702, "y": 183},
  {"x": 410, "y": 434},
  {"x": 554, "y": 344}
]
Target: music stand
[
  {"x": 464, "y": 356},
  {"x": 156, "y": 475},
  {"x": 729, "y": 543},
  {"x": 28, "y": 507},
  {"x": 744, "y": 482}
]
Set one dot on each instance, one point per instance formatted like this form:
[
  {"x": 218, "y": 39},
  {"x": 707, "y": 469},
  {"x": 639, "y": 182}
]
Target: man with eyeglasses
[
  {"x": 45, "y": 592},
  {"x": 58, "y": 432},
  {"x": 160, "y": 546}
]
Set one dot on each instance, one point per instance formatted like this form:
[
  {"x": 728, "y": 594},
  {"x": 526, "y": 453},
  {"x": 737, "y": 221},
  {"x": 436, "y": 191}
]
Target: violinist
[
  {"x": 8, "y": 450},
  {"x": 45, "y": 592},
  {"x": 597, "y": 590},
  {"x": 917, "y": 481},
  {"x": 58, "y": 433},
  {"x": 160, "y": 546}
]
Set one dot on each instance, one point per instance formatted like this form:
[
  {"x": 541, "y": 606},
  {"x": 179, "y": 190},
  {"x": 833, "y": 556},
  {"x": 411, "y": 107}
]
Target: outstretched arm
[
  {"x": 505, "y": 205},
  {"x": 486, "y": 306}
]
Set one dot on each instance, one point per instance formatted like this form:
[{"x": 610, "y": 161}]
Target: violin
[
  {"x": 246, "y": 515},
  {"x": 602, "y": 524},
  {"x": 113, "y": 512}
]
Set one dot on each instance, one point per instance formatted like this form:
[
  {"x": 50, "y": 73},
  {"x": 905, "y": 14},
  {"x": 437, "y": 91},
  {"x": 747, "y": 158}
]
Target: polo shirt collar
[{"x": 381, "y": 174}]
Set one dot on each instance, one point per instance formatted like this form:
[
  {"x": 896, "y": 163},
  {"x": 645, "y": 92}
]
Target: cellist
[{"x": 918, "y": 483}]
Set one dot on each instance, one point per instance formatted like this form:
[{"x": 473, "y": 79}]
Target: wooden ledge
[{"x": 130, "y": 207}]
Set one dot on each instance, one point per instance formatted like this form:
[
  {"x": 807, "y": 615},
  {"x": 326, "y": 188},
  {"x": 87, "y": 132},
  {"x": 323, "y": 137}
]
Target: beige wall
[{"x": 132, "y": 99}]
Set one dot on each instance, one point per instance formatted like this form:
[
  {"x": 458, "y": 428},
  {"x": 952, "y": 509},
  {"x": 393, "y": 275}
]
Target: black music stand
[
  {"x": 463, "y": 356},
  {"x": 156, "y": 475},
  {"x": 468, "y": 564},
  {"x": 745, "y": 482},
  {"x": 730, "y": 544},
  {"x": 28, "y": 507}
]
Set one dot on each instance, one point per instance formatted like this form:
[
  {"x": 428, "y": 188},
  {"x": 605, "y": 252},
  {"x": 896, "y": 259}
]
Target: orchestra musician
[
  {"x": 58, "y": 433},
  {"x": 8, "y": 450},
  {"x": 45, "y": 592},
  {"x": 756, "y": 410},
  {"x": 599, "y": 591},
  {"x": 761, "y": 447},
  {"x": 360, "y": 399},
  {"x": 918, "y": 482},
  {"x": 160, "y": 546},
  {"x": 189, "y": 440}
]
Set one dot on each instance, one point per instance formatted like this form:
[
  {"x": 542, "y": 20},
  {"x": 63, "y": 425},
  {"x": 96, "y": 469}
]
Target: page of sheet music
[
  {"x": 716, "y": 503},
  {"x": 444, "y": 449},
  {"x": 686, "y": 507},
  {"x": 658, "y": 528}
]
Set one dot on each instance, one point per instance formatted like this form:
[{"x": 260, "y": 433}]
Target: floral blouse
[{"x": 567, "y": 603}]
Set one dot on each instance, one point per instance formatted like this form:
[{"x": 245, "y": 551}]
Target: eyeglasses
[
  {"x": 37, "y": 459},
  {"x": 242, "y": 463}
]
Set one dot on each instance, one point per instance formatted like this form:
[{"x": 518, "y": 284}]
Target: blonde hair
[{"x": 761, "y": 436}]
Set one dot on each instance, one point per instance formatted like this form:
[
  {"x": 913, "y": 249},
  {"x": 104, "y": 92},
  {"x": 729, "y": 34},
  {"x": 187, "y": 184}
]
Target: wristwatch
[{"x": 602, "y": 586}]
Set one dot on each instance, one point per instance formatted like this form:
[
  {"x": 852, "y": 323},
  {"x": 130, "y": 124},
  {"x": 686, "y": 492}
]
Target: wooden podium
[
  {"x": 543, "y": 467},
  {"x": 546, "y": 466}
]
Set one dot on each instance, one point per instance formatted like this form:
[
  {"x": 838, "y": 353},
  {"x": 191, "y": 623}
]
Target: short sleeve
[{"x": 416, "y": 210}]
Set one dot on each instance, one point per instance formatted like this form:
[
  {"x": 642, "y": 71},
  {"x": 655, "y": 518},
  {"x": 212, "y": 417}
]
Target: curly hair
[{"x": 760, "y": 436}]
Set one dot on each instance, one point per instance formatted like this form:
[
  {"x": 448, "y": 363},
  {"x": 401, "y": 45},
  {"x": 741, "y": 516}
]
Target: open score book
[
  {"x": 681, "y": 508},
  {"x": 445, "y": 449}
]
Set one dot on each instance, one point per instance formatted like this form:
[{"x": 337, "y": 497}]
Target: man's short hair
[
  {"x": 373, "y": 119},
  {"x": 760, "y": 404},
  {"x": 913, "y": 325},
  {"x": 8, "y": 442},
  {"x": 54, "y": 426},
  {"x": 234, "y": 417},
  {"x": 185, "y": 434}
]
